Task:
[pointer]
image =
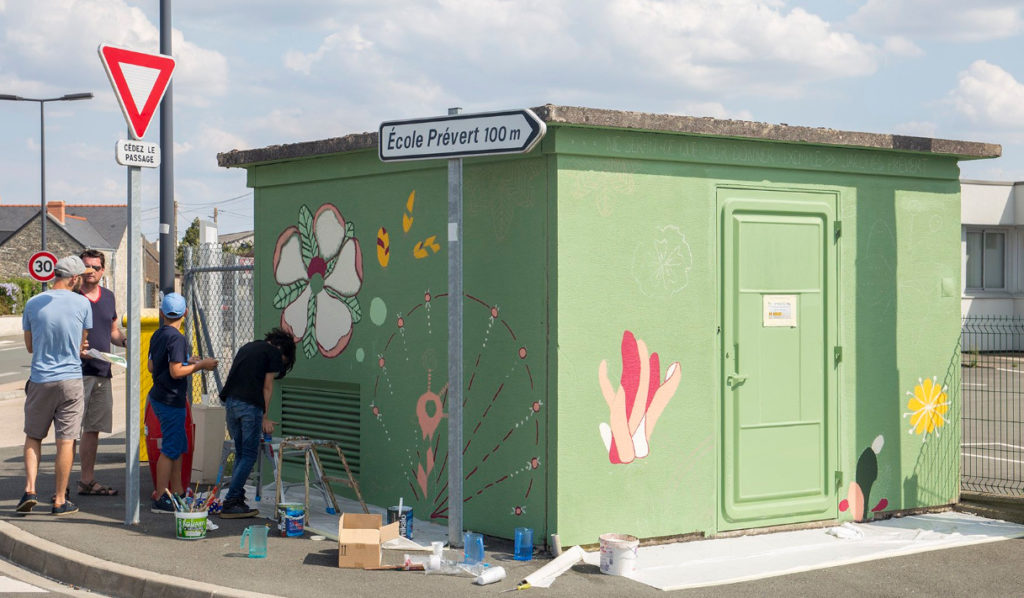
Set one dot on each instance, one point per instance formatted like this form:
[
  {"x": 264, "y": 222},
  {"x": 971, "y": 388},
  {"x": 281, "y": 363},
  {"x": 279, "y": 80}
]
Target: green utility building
[{"x": 672, "y": 325}]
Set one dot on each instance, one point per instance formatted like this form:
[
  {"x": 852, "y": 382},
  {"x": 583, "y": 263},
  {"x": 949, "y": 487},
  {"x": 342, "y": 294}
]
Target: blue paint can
[
  {"x": 291, "y": 517},
  {"x": 404, "y": 520}
]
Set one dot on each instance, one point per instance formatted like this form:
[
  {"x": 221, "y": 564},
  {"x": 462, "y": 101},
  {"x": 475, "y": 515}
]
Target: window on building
[{"x": 986, "y": 259}]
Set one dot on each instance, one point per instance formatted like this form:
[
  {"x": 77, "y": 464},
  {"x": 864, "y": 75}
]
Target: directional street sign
[
  {"x": 460, "y": 135},
  {"x": 41, "y": 265},
  {"x": 139, "y": 82},
  {"x": 132, "y": 152}
]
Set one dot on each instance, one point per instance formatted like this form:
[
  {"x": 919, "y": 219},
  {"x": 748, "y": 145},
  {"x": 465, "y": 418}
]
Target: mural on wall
[
  {"x": 420, "y": 249},
  {"x": 635, "y": 406},
  {"x": 319, "y": 267},
  {"x": 383, "y": 247},
  {"x": 661, "y": 262},
  {"x": 414, "y": 350},
  {"x": 928, "y": 405},
  {"x": 858, "y": 495}
]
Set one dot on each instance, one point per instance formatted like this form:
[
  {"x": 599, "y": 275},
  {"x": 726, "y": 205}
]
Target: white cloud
[
  {"x": 901, "y": 46},
  {"x": 713, "y": 110},
  {"x": 729, "y": 47},
  {"x": 58, "y": 38},
  {"x": 916, "y": 129},
  {"x": 948, "y": 20},
  {"x": 986, "y": 94}
]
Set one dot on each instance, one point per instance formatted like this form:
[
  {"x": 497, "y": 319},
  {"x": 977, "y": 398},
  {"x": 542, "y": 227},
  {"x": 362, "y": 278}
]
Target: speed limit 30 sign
[{"x": 41, "y": 265}]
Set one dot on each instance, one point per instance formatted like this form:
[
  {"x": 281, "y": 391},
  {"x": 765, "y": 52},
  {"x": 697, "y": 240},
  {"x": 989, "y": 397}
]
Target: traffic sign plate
[
  {"x": 132, "y": 152},
  {"x": 139, "y": 81},
  {"x": 41, "y": 266},
  {"x": 460, "y": 135}
]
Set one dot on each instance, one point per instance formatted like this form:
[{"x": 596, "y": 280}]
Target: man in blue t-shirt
[
  {"x": 170, "y": 367},
  {"x": 55, "y": 324}
]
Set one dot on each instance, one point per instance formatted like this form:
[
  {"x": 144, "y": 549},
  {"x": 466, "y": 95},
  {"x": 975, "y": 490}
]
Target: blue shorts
[{"x": 172, "y": 428}]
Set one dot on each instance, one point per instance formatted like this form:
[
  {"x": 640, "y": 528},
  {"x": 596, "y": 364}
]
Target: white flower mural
[{"x": 320, "y": 269}]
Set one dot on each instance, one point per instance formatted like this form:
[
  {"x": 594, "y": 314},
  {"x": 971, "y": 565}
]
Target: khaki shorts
[
  {"x": 99, "y": 403},
  {"x": 61, "y": 403}
]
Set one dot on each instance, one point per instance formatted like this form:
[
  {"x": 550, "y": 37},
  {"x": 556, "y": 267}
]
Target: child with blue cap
[{"x": 170, "y": 367}]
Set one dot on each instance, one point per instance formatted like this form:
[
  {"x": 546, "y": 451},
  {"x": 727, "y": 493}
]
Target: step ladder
[{"x": 309, "y": 448}]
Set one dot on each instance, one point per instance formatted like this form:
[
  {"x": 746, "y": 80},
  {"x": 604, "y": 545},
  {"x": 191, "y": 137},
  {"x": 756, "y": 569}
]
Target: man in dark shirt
[
  {"x": 171, "y": 368},
  {"x": 246, "y": 395},
  {"x": 99, "y": 398}
]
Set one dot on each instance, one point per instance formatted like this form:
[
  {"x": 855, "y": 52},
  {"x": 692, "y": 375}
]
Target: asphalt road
[{"x": 16, "y": 581}]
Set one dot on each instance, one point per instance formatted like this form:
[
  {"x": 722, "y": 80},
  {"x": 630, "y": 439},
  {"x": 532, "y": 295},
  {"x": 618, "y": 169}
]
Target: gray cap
[{"x": 69, "y": 266}]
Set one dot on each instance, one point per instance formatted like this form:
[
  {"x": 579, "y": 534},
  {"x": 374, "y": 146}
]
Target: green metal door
[{"x": 780, "y": 355}]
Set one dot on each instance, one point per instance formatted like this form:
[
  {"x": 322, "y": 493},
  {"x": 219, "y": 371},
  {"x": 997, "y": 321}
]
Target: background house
[
  {"x": 992, "y": 248},
  {"x": 70, "y": 229},
  {"x": 237, "y": 241}
]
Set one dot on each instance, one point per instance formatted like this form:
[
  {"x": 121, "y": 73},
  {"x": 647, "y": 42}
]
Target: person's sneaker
[
  {"x": 28, "y": 500},
  {"x": 237, "y": 509},
  {"x": 65, "y": 509},
  {"x": 163, "y": 505}
]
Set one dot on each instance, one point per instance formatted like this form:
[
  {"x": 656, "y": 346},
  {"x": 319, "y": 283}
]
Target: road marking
[
  {"x": 5, "y": 374},
  {"x": 1015, "y": 461},
  {"x": 1012, "y": 371},
  {"x": 12, "y": 349},
  {"x": 978, "y": 385},
  {"x": 1002, "y": 444},
  {"x": 11, "y": 586}
]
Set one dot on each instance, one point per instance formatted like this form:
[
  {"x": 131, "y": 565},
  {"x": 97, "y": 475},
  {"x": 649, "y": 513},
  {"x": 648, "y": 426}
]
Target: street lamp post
[{"x": 42, "y": 151}]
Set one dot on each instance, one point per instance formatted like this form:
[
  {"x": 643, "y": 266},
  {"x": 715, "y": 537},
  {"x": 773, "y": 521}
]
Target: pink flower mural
[
  {"x": 635, "y": 406},
  {"x": 320, "y": 269}
]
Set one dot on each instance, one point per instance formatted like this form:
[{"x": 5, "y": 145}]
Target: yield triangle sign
[{"x": 139, "y": 82}]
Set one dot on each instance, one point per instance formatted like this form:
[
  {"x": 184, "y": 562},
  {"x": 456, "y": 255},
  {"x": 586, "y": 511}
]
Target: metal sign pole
[
  {"x": 133, "y": 371},
  {"x": 455, "y": 349}
]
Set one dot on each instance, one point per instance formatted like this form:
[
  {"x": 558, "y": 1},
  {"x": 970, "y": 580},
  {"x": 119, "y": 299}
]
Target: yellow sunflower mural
[{"x": 928, "y": 404}]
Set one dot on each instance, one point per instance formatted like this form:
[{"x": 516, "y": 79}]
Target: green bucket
[{"x": 190, "y": 526}]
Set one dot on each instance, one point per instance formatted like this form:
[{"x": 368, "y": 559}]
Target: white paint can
[{"x": 618, "y": 554}]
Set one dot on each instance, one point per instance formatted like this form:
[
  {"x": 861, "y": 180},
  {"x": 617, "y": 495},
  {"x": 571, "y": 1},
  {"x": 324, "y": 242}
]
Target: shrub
[{"x": 14, "y": 292}]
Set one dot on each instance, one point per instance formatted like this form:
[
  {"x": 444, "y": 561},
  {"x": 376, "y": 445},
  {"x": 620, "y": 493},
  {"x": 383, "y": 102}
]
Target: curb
[{"x": 112, "y": 579}]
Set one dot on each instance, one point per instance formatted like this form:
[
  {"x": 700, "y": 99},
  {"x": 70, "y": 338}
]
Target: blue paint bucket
[
  {"x": 404, "y": 520},
  {"x": 291, "y": 517}
]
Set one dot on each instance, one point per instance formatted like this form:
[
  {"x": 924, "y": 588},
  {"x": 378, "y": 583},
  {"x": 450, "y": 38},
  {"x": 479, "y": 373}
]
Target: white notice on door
[{"x": 779, "y": 310}]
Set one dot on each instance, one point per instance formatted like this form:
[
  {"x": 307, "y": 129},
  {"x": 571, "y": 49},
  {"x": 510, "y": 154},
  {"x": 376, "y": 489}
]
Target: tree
[{"x": 191, "y": 239}]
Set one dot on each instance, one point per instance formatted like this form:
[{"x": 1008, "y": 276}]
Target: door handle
[{"x": 734, "y": 380}]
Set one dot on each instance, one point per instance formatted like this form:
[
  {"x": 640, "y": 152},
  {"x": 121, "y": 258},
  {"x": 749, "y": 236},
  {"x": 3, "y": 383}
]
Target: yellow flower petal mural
[{"x": 928, "y": 405}]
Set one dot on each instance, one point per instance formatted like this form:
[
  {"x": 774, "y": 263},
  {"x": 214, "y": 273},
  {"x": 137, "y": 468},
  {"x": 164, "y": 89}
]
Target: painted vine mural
[{"x": 318, "y": 268}]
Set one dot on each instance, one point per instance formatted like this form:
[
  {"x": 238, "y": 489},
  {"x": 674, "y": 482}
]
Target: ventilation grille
[{"x": 325, "y": 411}]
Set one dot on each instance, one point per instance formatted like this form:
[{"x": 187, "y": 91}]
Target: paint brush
[{"x": 174, "y": 501}]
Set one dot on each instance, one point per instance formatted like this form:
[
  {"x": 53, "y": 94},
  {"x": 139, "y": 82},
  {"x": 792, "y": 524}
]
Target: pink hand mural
[{"x": 634, "y": 408}]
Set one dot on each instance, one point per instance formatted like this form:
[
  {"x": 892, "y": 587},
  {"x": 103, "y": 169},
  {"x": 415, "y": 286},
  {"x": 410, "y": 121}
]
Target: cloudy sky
[{"x": 254, "y": 73}]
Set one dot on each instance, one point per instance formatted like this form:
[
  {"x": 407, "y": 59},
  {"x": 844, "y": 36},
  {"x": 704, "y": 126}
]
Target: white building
[{"x": 992, "y": 242}]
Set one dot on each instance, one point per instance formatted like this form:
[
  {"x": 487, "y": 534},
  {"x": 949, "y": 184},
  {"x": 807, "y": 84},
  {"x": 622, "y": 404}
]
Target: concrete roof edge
[
  {"x": 596, "y": 117},
  {"x": 305, "y": 149},
  {"x": 645, "y": 121}
]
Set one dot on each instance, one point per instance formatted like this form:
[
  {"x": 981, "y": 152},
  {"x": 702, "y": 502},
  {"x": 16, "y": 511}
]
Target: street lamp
[{"x": 42, "y": 150}]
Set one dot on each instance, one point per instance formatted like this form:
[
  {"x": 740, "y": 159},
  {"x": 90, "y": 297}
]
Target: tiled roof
[{"x": 99, "y": 226}]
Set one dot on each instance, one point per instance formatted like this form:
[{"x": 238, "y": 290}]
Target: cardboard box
[{"x": 359, "y": 540}]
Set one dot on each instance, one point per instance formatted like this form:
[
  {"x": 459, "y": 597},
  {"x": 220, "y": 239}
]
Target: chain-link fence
[
  {"x": 218, "y": 287},
  {"x": 992, "y": 385}
]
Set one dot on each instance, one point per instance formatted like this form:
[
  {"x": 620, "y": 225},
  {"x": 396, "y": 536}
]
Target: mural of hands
[{"x": 635, "y": 406}]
